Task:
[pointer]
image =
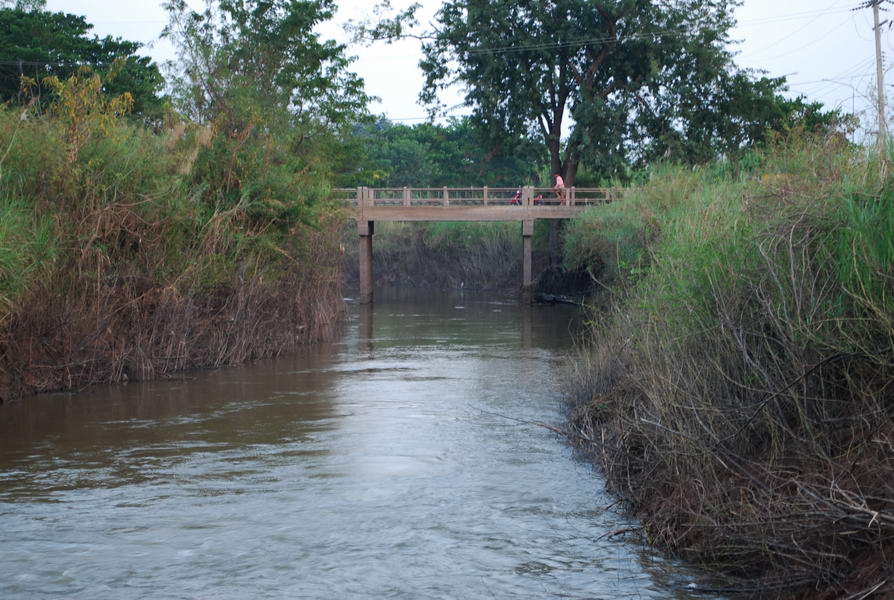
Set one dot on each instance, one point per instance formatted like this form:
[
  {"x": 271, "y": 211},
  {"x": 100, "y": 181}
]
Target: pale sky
[{"x": 824, "y": 48}]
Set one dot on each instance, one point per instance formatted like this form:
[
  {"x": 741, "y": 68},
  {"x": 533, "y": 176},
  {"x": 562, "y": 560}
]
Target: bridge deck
[{"x": 472, "y": 204}]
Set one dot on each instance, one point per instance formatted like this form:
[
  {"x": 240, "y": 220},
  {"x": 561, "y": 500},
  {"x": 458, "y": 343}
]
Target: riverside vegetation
[
  {"x": 129, "y": 254},
  {"x": 144, "y": 234},
  {"x": 738, "y": 388}
]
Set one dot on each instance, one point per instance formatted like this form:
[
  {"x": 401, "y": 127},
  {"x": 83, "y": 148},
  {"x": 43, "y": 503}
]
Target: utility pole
[
  {"x": 879, "y": 69},
  {"x": 880, "y": 80}
]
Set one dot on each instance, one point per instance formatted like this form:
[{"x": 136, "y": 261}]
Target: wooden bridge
[{"x": 525, "y": 204}]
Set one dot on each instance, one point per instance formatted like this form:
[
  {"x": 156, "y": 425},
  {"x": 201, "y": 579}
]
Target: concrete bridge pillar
[
  {"x": 366, "y": 230},
  {"x": 527, "y": 268}
]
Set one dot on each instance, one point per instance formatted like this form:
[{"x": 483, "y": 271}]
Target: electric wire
[
  {"x": 800, "y": 47},
  {"x": 649, "y": 34},
  {"x": 813, "y": 15},
  {"x": 796, "y": 31}
]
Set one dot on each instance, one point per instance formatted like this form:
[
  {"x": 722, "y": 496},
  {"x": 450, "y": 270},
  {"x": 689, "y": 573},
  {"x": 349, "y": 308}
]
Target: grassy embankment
[
  {"x": 739, "y": 388},
  {"x": 129, "y": 254}
]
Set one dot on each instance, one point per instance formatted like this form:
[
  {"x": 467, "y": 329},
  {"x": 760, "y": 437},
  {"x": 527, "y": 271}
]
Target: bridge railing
[
  {"x": 482, "y": 196},
  {"x": 573, "y": 196},
  {"x": 442, "y": 196}
]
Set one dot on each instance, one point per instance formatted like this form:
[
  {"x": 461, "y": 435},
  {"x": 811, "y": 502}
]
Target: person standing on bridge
[
  {"x": 516, "y": 199},
  {"x": 560, "y": 188}
]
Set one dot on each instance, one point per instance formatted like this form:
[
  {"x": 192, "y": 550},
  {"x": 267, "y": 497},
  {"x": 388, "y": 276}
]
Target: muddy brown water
[{"x": 386, "y": 464}]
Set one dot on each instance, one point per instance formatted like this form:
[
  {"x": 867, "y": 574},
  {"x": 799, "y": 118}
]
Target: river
[{"x": 398, "y": 461}]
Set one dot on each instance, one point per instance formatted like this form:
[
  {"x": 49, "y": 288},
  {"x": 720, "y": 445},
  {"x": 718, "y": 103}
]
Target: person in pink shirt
[{"x": 560, "y": 188}]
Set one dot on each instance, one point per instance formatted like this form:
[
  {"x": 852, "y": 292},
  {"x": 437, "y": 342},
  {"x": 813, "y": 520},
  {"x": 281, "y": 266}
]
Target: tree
[
  {"x": 601, "y": 81},
  {"x": 39, "y": 44},
  {"x": 239, "y": 52},
  {"x": 432, "y": 155},
  {"x": 565, "y": 65},
  {"x": 696, "y": 115},
  {"x": 277, "y": 98}
]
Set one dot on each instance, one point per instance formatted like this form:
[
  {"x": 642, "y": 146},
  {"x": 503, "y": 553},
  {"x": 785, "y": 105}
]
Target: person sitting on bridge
[{"x": 560, "y": 188}]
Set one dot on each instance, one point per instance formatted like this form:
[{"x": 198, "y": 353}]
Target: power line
[
  {"x": 647, "y": 34},
  {"x": 791, "y": 17},
  {"x": 49, "y": 63},
  {"x": 800, "y": 46},
  {"x": 846, "y": 74},
  {"x": 752, "y": 22},
  {"x": 830, "y": 84},
  {"x": 584, "y": 41}
]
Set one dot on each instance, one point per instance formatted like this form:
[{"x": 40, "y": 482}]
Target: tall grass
[
  {"x": 125, "y": 253},
  {"x": 27, "y": 251},
  {"x": 739, "y": 392}
]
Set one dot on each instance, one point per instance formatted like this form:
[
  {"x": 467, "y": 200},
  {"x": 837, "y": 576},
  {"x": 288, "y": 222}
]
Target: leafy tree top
[
  {"x": 39, "y": 44},
  {"x": 268, "y": 50}
]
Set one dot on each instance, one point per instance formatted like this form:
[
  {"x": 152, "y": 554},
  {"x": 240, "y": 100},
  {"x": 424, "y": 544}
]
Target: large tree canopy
[
  {"x": 37, "y": 44},
  {"x": 604, "y": 82}
]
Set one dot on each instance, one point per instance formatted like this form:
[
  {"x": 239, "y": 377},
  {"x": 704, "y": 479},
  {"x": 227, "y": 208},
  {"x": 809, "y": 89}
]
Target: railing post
[
  {"x": 485, "y": 195},
  {"x": 572, "y": 196},
  {"x": 406, "y": 196},
  {"x": 446, "y": 197}
]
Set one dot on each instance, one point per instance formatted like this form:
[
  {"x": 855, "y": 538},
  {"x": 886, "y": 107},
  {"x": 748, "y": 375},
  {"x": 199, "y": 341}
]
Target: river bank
[{"x": 737, "y": 388}]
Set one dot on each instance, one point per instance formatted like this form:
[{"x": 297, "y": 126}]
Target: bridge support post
[
  {"x": 366, "y": 230},
  {"x": 527, "y": 268}
]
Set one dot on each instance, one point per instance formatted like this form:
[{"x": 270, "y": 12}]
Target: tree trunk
[
  {"x": 571, "y": 171},
  {"x": 555, "y": 155}
]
